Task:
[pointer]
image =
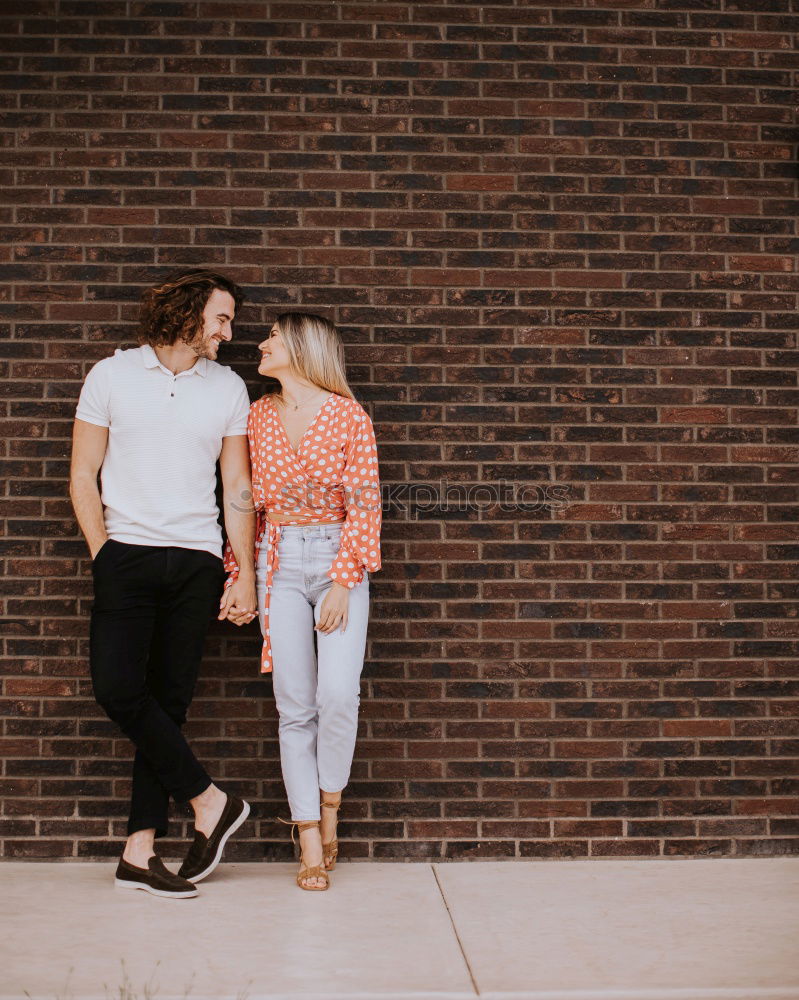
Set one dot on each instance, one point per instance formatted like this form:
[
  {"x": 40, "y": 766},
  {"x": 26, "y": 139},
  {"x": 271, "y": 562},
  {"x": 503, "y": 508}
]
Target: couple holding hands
[{"x": 302, "y": 514}]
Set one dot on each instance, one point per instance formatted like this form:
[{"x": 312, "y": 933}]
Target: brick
[{"x": 533, "y": 288}]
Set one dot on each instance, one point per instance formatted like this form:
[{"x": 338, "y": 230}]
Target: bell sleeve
[{"x": 360, "y": 534}]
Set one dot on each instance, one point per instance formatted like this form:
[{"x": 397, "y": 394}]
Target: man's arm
[
  {"x": 89, "y": 442},
  {"x": 239, "y": 601}
]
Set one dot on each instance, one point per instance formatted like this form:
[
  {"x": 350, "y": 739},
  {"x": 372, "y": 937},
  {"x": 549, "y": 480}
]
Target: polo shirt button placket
[{"x": 174, "y": 379}]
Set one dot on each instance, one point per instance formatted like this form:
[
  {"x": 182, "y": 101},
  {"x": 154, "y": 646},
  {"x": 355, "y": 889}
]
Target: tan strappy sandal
[
  {"x": 330, "y": 850},
  {"x": 305, "y": 872}
]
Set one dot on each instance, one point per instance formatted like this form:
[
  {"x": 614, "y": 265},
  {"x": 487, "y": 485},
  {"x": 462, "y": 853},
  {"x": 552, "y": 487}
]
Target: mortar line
[{"x": 475, "y": 987}]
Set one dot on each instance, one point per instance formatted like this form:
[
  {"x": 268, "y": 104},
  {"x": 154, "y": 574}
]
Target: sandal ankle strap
[{"x": 301, "y": 825}]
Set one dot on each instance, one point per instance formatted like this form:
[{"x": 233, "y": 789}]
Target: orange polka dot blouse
[{"x": 332, "y": 475}]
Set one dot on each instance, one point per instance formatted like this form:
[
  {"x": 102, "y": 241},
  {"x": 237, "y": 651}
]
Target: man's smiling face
[{"x": 217, "y": 324}]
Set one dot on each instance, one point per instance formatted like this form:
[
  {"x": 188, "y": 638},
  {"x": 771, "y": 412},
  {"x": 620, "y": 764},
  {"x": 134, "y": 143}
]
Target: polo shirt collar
[{"x": 200, "y": 366}]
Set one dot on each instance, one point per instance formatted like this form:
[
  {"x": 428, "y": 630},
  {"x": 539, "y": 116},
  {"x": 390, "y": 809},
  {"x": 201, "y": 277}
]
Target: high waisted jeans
[{"x": 316, "y": 677}]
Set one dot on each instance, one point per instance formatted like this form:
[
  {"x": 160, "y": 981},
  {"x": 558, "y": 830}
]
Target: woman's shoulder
[
  {"x": 351, "y": 407},
  {"x": 261, "y": 403},
  {"x": 258, "y": 411},
  {"x": 345, "y": 406}
]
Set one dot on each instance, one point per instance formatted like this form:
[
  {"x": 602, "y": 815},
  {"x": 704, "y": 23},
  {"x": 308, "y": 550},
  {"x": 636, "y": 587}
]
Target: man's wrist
[
  {"x": 98, "y": 544},
  {"x": 246, "y": 574}
]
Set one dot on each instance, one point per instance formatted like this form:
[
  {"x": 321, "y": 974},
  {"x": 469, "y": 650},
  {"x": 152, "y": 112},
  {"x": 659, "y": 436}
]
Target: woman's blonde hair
[{"x": 315, "y": 350}]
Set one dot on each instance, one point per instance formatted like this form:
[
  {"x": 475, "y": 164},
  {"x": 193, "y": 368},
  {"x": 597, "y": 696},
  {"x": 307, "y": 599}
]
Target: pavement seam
[{"x": 475, "y": 987}]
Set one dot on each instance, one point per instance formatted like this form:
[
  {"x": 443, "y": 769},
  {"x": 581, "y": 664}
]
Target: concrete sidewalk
[{"x": 546, "y": 930}]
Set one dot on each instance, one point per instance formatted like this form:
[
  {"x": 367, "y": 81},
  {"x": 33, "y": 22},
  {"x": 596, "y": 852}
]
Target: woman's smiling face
[{"x": 274, "y": 356}]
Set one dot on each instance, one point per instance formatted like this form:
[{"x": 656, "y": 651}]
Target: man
[{"x": 153, "y": 421}]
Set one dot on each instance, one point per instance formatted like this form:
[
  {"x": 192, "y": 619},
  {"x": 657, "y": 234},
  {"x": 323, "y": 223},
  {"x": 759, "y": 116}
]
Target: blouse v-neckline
[{"x": 296, "y": 451}]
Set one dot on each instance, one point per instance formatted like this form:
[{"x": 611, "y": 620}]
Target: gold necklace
[{"x": 296, "y": 405}]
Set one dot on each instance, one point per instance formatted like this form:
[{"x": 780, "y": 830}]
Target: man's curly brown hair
[{"x": 173, "y": 310}]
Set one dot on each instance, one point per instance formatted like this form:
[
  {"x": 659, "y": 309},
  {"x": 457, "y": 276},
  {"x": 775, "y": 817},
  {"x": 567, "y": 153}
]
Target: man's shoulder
[
  {"x": 224, "y": 375},
  {"x": 121, "y": 358}
]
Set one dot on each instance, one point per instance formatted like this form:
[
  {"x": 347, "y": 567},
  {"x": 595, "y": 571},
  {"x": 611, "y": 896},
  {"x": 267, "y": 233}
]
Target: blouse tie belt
[{"x": 273, "y": 538}]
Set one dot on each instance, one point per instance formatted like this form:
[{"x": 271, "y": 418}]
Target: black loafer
[
  {"x": 206, "y": 852},
  {"x": 156, "y": 878}
]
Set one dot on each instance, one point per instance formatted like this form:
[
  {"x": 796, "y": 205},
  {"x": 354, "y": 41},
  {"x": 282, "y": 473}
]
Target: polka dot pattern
[{"x": 332, "y": 475}]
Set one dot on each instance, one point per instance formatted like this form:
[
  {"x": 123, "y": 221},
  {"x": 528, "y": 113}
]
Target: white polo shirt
[{"x": 165, "y": 435}]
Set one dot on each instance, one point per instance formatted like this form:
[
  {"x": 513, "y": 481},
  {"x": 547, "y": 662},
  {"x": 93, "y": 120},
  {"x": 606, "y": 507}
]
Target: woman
[{"x": 316, "y": 492}]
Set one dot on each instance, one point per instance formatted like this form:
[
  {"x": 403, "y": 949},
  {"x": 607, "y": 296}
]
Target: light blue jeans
[{"x": 316, "y": 677}]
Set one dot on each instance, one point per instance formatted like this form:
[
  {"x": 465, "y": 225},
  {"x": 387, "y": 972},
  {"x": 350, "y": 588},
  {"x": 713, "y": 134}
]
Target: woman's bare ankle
[
  {"x": 311, "y": 846},
  {"x": 329, "y": 820}
]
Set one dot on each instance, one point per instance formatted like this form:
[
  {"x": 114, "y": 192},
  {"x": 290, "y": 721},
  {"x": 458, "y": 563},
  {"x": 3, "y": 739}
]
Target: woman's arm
[{"x": 360, "y": 535}]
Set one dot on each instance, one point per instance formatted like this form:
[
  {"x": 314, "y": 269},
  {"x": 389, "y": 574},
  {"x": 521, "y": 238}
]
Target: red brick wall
[{"x": 560, "y": 242}]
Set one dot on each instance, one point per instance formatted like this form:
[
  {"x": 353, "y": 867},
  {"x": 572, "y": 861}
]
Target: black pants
[{"x": 152, "y": 608}]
